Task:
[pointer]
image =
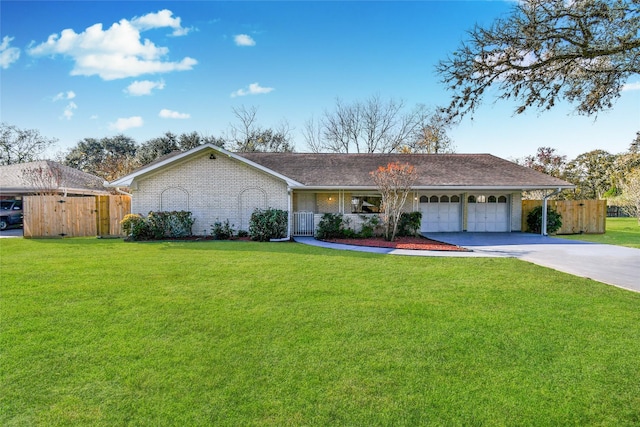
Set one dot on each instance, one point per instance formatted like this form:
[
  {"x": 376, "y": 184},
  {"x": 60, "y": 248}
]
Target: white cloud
[
  {"x": 631, "y": 86},
  {"x": 123, "y": 124},
  {"x": 8, "y": 55},
  {"x": 117, "y": 52},
  {"x": 253, "y": 89},
  {"x": 244, "y": 40},
  {"x": 68, "y": 111},
  {"x": 64, "y": 96},
  {"x": 144, "y": 87},
  {"x": 168, "y": 114},
  {"x": 161, "y": 19}
]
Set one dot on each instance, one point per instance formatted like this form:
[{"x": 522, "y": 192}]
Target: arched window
[
  {"x": 482, "y": 199},
  {"x": 444, "y": 199},
  {"x": 471, "y": 199},
  {"x": 424, "y": 199},
  {"x": 455, "y": 199},
  {"x": 492, "y": 199},
  {"x": 174, "y": 199},
  {"x": 502, "y": 199},
  {"x": 434, "y": 199}
]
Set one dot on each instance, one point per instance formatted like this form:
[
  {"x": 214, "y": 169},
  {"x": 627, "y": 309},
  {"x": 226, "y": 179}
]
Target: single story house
[
  {"x": 46, "y": 176},
  {"x": 454, "y": 192}
]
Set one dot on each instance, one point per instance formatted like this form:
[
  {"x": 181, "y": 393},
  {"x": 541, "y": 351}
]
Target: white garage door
[
  {"x": 440, "y": 213},
  {"x": 488, "y": 213}
]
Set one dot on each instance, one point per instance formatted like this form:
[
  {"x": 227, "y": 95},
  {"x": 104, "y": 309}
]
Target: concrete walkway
[{"x": 615, "y": 265}]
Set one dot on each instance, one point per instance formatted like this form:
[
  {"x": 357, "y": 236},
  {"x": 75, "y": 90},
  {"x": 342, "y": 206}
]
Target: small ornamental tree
[{"x": 394, "y": 182}]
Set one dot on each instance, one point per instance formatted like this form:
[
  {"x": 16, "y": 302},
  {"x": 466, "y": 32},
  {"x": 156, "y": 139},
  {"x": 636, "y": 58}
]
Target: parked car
[{"x": 10, "y": 213}]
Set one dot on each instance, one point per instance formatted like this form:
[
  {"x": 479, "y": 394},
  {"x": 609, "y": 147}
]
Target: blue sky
[{"x": 79, "y": 69}]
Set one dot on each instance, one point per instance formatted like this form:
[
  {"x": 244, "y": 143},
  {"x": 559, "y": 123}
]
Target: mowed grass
[
  {"x": 103, "y": 333},
  {"x": 620, "y": 231}
]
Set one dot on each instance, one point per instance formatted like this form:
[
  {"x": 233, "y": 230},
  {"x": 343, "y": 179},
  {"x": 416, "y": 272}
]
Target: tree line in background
[
  {"x": 596, "y": 174},
  {"x": 366, "y": 126}
]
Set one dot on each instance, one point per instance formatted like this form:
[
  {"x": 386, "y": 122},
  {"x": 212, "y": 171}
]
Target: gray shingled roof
[
  {"x": 74, "y": 181},
  {"x": 434, "y": 170}
]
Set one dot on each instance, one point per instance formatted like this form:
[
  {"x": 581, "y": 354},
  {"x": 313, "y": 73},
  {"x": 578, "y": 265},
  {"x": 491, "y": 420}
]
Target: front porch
[{"x": 442, "y": 211}]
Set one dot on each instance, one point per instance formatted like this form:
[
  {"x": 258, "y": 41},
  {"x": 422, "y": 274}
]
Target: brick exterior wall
[{"x": 211, "y": 190}]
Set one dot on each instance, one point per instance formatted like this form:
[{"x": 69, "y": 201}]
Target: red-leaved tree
[{"x": 394, "y": 182}]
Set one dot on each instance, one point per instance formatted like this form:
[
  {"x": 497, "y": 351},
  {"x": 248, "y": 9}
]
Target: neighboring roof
[
  {"x": 176, "y": 157},
  {"x": 73, "y": 181},
  {"x": 472, "y": 171}
]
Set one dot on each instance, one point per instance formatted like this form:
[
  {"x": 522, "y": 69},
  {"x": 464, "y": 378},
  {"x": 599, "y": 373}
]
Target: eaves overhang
[
  {"x": 128, "y": 180},
  {"x": 439, "y": 187}
]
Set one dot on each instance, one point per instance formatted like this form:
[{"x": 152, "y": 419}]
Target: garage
[
  {"x": 488, "y": 213},
  {"x": 441, "y": 213}
]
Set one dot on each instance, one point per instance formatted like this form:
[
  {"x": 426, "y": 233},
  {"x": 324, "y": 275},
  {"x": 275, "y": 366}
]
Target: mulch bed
[{"x": 412, "y": 243}]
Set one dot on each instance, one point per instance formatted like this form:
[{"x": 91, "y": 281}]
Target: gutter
[
  {"x": 123, "y": 192},
  {"x": 544, "y": 210}
]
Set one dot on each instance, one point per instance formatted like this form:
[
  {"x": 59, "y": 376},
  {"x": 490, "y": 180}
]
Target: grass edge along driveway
[
  {"x": 102, "y": 332},
  {"x": 619, "y": 231}
]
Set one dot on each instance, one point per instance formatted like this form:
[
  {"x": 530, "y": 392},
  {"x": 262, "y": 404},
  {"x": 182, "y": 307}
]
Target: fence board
[
  {"x": 578, "y": 216},
  {"x": 56, "y": 216},
  {"x": 119, "y": 206}
]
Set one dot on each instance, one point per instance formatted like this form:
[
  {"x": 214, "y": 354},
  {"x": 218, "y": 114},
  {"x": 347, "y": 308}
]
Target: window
[
  {"x": 424, "y": 199},
  {"x": 434, "y": 199},
  {"x": 455, "y": 199},
  {"x": 482, "y": 199},
  {"x": 365, "y": 204},
  {"x": 471, "y": 199},
  {"x": 502, "y": 199},
  {"x": 492, "y": 199},
  {"x": 444, "y": 199}
]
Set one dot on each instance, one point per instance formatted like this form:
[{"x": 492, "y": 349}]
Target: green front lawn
[
  {"x": 620, "y": 231},
  {"x": 102, "y": 333}
]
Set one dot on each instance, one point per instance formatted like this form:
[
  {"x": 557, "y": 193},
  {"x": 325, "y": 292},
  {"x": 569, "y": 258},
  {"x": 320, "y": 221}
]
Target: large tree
[
  {"x": 582, "y": 51},
  {"x": 108, "y": 158},
  {"x": 247, "y": 135},
  {"x": 22, "y": 145},
  {"x": 157, "y": 147},
  {"x": 376, "y": 126},
  {"x": 430, "y": 136},
  {"x": 546, "y": 160},
  {"x": 592, "y": 173}
]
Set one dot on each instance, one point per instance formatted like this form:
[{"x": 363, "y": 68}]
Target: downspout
[
  {"x": 289, "y": 217},
  {"x": 544, "y": 210}
]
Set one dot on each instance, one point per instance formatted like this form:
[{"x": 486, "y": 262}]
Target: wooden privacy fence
[
  {"x": 56, "y": 216},
  {"x": 578, "y": 216}
]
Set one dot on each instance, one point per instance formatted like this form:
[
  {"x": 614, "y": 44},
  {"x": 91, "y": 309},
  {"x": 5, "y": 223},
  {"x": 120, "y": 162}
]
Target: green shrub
[
  {"x": 267, "y": 224},
  {"x": 534, "y": 220},
  {"x": 158, "y": 225},
  {"x": 409, "y": 223},
  {"x": 222, "y": 230},
  {"x": 369, "y": 226},
  {"x": 330, "y": 227},
  {"x": 135, "y": 227}
]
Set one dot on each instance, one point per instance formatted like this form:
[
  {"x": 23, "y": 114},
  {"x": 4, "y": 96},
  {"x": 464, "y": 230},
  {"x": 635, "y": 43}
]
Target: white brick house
[{"x": 454, "y": 192}]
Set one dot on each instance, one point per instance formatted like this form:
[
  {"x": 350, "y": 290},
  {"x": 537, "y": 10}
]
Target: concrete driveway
[
  {"x": 11, "y": 232},
  {"x": 614, "y": 265}
]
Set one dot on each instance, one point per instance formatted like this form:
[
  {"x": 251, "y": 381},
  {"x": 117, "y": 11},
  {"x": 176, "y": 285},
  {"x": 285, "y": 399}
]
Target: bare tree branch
[{"x": 582, "y": 51}]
